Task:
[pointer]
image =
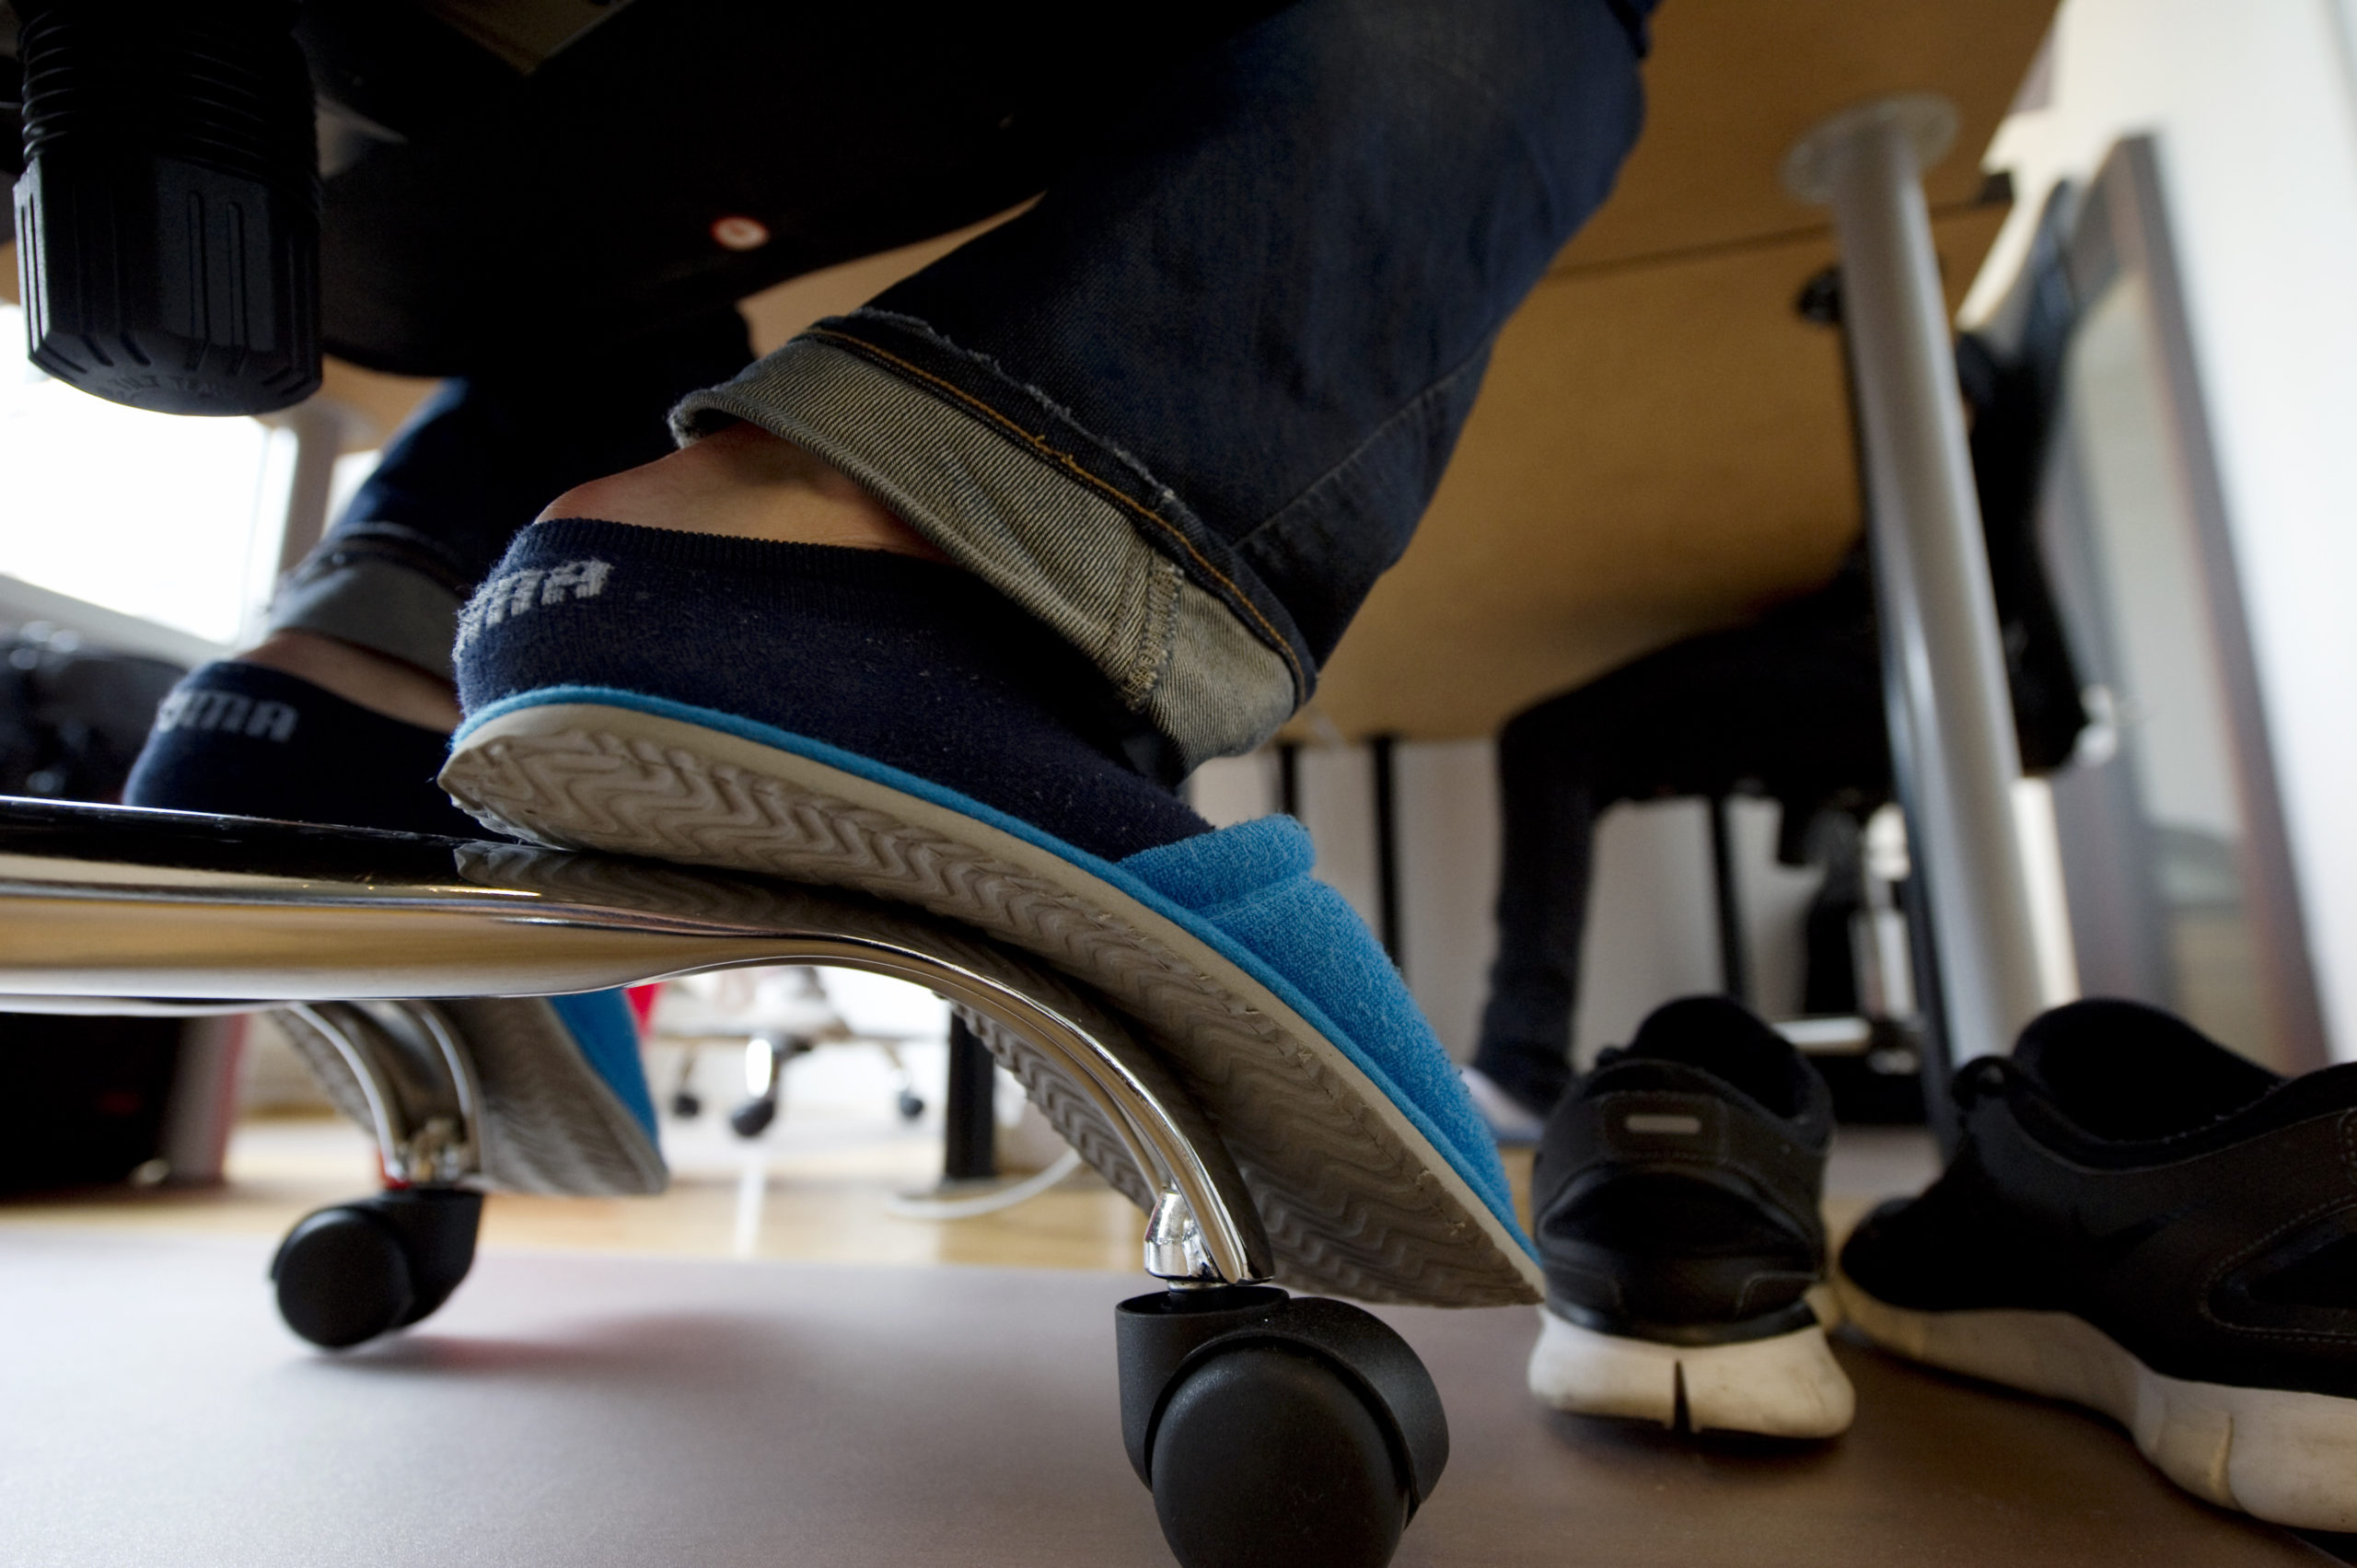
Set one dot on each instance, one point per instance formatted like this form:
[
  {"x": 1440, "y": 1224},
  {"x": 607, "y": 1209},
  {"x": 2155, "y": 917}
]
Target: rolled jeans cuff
[
  {"x": 1004, "y": 507},
  {"x": 387, "y": 602}
]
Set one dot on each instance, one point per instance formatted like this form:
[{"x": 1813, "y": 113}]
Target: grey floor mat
[{"x": 593, "y": 1410}]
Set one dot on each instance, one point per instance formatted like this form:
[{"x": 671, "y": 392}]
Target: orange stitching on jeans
[{"x": 1071, "y": 464}]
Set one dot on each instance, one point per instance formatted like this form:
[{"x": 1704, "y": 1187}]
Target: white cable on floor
[
  {"x": 752, "y": 1190},
  {"x": 924, "y": 1206}
]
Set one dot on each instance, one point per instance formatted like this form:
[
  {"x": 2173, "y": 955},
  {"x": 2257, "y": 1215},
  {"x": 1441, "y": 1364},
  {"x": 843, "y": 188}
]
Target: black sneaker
[
  {"x": 1676, "y": 1196},
  {"x": 2143, "y": 1222}
]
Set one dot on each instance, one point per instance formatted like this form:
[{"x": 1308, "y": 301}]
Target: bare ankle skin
[
  {"x": 375, "y": 681},
  {"x": 743, "y": 483}
]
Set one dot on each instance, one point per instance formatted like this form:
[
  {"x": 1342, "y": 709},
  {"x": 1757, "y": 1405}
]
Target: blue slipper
[{"x": 1374, "y": 1175}]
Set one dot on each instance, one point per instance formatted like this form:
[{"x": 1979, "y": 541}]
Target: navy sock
[
  {"x": 906, "y": 662},
  {"x": 248, "y": 741}
]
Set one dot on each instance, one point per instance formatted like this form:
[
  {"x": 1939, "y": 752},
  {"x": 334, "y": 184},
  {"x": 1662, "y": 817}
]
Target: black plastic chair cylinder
[{"x": 168, "y": 218}]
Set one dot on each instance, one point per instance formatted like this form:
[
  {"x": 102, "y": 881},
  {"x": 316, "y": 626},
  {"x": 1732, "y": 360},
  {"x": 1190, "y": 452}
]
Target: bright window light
[{"x": 171, "y": 518}]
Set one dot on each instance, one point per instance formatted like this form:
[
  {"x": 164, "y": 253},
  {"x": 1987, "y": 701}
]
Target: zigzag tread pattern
[
  {"x": 552, "y": 1125},
  {"x": 1067, "y": 1109},
  {"x": 546, "y": 1124},
  {"x": 1349, "y": 1206},
  {"x": 328, "y": 1069},
  {"x": 642, "y": 884}
]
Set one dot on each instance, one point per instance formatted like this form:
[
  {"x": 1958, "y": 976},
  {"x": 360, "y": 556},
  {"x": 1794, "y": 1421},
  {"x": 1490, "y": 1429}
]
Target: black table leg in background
[
  {"x": 1727, "y": 897},
  {"x": 969, "y": 1126}
]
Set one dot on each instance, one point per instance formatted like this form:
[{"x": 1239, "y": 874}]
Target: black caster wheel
[
  {"x": 686, "y": 1104},
  {"x": 912, "y": 1105},
  {"x": 350, "y": 1272},
  {"x": 753, "y": 1118},
  {"x": 1273, "y": 1430}
]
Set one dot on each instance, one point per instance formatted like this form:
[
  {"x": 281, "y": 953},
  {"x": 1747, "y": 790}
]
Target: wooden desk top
[{"x": 1663, "y": 445}]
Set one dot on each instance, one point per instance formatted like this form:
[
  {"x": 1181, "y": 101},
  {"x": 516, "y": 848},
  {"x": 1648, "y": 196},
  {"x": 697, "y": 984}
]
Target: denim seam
[
  {"x": 1072, "y": 466},
  {"x": 1134, "y": 645},
  {"x": 1155, "y": 643},
  {"x": 917, "y": 326},
  {"x": 1171, "y": 648},
  {"x": 390, "y": 543},
  {"x": 382, "y": 603}
]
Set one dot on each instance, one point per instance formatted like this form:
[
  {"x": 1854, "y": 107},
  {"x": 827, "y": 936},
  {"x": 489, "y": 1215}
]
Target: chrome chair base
[
  {"x": 112, "y": 908},
  {"x": 1230, "y": 1391}
]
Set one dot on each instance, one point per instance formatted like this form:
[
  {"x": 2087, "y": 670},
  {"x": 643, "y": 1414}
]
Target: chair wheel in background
[
  {"x": 1277, "y": 1431},
  {"x": 752, "y": 1118},
  {"x": 352, "y": 1271}
]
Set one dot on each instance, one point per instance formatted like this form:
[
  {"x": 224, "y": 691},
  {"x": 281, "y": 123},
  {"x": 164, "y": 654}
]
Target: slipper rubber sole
[
  {"x": 1356, "y": 1199},
  {"x": 547, "y": 1123}
]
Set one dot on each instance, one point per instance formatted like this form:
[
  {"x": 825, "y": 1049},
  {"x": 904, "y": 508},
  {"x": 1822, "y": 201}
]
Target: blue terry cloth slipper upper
[
  {"x": 1246, "y": 891},
  {"x": 1250, "y": 884}
]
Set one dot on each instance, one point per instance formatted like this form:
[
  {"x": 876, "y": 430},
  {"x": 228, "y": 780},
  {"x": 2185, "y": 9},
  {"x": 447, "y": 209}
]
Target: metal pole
[
  {"x": 1954, "y": 754},
  {"x": 1382, "y": 762},
  {"x": 318, "y": 427},
  {"x": 1726, "y": 898},
  {"x": 969, "y": 1116}
]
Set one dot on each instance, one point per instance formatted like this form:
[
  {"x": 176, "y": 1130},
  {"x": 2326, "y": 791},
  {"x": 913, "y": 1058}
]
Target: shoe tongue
[
  {"x": 1728, "y": 1041},
  {"x": 2126, "y": 1072}
]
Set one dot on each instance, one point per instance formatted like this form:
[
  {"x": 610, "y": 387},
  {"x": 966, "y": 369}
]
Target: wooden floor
[
  {"x": 818, "y": 1192},
  {"x": 815, "y": 1194}
]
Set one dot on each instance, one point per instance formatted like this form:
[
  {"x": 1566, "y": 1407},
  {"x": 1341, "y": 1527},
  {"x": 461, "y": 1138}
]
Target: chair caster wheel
[
  {"x": 753, "y": 1118},
  {"x": 1274, "y": 1431},
  {"x": 686, "y": 1107},
  {"x": 354, "y": 1271},
  {"x": 912, "y": 1105}
]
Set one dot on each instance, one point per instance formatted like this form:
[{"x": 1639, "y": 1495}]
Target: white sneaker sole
[
  {"x": 1789, "y": 1386},
  {"x": 2285, "y": 1457},
  {"x": 1355, "y": 1198},
  {"x": 1509, "y": 1124}
]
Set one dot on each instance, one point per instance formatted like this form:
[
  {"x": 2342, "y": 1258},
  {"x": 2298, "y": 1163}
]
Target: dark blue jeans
[
  {"x": 476, "y": 462},
  {"x": 1189, "y": 406}
]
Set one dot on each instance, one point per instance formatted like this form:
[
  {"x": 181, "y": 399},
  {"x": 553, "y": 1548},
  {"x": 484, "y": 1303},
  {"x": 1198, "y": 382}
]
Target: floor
[
  {"x": 768, "y": 1365},
  {"x": 819, "y": 1186},
  {"x": 589, "y": 1409}
]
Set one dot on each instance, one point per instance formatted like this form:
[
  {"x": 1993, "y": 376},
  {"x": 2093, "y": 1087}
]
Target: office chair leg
[
  {"x": 752, "y": 1118},
  {"x": 351, "y": 1271},
  {"x": 686, "y": 1104}
]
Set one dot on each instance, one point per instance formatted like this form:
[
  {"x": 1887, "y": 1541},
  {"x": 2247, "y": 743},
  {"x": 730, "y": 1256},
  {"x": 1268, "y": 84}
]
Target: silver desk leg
[
  {"x": 1952, "y": 733},
  {"x": 320, "y": 429}
]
